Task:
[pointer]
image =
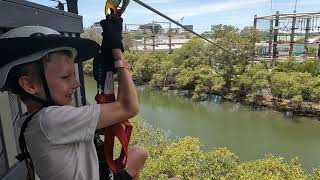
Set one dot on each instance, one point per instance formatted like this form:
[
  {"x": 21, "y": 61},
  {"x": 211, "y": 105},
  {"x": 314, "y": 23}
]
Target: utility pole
[
  {"x": 125, "y": 28},
  {"x": 270, "y": 37},
  {"x": 307, "y": 36},
  {"x": 72, "y": 6},
  {"x": 293, "y": 28},
  {"x": 255, "y": 21},
  {"x": 153, "y": 37},
  {"x": 144, "y": 38},
  {"x": 319, "y": 51},
  {"x": 275, "y": 40},
  {"x": 153, "y": 42},
  {"x": 170, "y": 36}
]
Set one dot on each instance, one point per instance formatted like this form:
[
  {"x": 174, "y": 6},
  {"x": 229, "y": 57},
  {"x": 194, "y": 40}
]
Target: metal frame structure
[
  {"x": 16, "y": 13},
  {"x": 294, "y": 24}
]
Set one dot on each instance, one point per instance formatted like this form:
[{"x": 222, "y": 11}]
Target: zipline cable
[{"x": 177, "y": 23}]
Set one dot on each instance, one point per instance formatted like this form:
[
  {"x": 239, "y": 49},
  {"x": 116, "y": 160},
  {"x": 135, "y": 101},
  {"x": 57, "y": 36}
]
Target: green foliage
[
  {"x": 312, "y": 51},
  {"x": 220, "y": 164},
  {"x": 315, "y": 174},
  {"x": 297, "y": 99},
  {"x": 225, "y": 64},
  {"x": 184, "y": 159},
  {"x": 208, "y": 82},
  {"x": 191, "y": 54},
  {"x": 88, "y": 67},
  {"x": 271, "y": 168},
  {"x": 289, "y": 85},
  {"x": 252, "y": 34},
  {"x": 186, "y": 79},
  {"x": 220, "y": 31},
  {"x": 308, "y": 65},
  {"x": 252, "y": 82},
  {"x": 180, "y": 159},
  {"x": 147, "y": 65},
  {"x": 289, "y": 66}
]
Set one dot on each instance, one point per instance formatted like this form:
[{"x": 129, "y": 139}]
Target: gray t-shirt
[{"x": 60, "y": 142}]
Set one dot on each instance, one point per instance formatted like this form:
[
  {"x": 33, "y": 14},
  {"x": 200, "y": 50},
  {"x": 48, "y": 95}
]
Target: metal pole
[
  {"x": 319, "y": 51},
  {"x": 72, "y": 6},
  {"x": 144, "y": 38},
  {"x": 153, "y": 43},
  {"x": 275, "y": 40},
  {"x": 255, "y": 22},
  {"x": 293, "y": 28},
  {"x": 307, "y": 36},
  {"x": 270, "y": 37},
  {"x": 177, "y": 23},
  {"x": 170, "y": 36}
]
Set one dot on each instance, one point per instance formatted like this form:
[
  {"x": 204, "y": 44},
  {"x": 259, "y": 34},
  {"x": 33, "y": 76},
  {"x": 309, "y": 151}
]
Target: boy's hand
[{"x": 112, "y": 34}]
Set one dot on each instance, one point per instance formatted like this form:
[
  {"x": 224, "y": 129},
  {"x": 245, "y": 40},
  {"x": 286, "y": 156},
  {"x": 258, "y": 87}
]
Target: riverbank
[
  {"x": 289, "y": 107},
  {"x": 307, "y": 109}
]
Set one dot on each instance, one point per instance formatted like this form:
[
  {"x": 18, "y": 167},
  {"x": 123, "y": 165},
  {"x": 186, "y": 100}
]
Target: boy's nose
[{"x": 76, "y": 84}]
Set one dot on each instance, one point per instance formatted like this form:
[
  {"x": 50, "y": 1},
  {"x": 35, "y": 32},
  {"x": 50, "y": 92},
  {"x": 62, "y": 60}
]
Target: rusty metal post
[
  {"x": 275, "y": 40},
  {"x": 270, "y": 37},
  {"x": 170, "y": 38},
  {"x": 293, "y": 28},
  {"x": 307, "y": 36}
]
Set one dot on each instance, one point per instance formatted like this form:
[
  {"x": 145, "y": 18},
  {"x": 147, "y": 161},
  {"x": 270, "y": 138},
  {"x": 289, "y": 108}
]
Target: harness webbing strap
[
  {"x": 24, "y": 155},
  {"x": 122, "y": 131}
]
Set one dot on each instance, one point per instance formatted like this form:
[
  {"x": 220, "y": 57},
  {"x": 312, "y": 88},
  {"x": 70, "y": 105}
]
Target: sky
[{"x": 199, "y": 13}]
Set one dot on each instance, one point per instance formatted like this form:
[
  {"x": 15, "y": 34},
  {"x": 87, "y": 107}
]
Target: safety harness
[{"x": 103, "y": 72}]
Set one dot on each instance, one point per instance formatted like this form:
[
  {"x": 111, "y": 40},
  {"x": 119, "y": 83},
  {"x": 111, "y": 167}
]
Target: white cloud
[
  {"x": 212, "y": 8},
  {"x": 177, "y": 11},
  {"x": 162, "y": 1}
]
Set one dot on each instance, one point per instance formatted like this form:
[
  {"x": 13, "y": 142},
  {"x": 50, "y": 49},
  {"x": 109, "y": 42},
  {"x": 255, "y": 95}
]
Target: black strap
[
  {"x": 24, "y": 155},
  {"x": 49, "y": 101}
]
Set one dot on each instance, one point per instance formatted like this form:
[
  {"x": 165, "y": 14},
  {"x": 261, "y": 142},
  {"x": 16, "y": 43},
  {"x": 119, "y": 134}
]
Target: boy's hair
[{"x": 31, "y": 70}]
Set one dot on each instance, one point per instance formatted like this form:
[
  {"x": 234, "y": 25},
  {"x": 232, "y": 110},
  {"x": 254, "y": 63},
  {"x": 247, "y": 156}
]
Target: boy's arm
[{"x": 126, "y": 106}]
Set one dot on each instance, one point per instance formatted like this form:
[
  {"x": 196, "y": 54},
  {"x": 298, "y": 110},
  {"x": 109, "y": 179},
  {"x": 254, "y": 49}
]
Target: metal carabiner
[{"x": 113, "y": 5}]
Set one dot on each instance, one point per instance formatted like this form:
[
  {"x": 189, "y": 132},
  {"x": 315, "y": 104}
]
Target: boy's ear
[{"x": 28, "y": 85}]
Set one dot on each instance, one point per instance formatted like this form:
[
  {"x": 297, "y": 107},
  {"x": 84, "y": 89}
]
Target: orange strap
[{"x": 122, "y": 131}]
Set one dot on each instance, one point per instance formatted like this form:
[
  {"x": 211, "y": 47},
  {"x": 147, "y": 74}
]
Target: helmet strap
[{"x": 49, "y": 101}]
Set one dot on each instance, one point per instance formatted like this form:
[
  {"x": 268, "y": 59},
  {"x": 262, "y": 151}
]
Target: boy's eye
[{"x": 65, "y": 77}]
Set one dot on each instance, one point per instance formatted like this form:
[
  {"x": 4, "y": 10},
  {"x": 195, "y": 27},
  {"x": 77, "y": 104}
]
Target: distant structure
[
  {"x": 288, "y": 34},
  {"x": 190, "y": 27},
  {"x": 156, "y": 36},
  {"x": 153, "y": 27}
]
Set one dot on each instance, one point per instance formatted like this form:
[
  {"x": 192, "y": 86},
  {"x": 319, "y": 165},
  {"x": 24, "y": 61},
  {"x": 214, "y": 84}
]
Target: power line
[{"x": 179, "y": 24}]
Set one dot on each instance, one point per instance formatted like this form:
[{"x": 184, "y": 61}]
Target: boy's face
[{"x": 61, "y": 79}]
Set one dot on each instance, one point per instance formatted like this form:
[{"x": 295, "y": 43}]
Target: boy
[{"x": 38, "y": 65}]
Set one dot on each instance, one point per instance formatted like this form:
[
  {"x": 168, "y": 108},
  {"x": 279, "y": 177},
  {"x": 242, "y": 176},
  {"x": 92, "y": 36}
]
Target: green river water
[{"x": 249, "y": 134}]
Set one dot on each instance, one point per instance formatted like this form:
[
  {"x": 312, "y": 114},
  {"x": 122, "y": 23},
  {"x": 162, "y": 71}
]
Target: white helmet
[{"x": 31, "y": 43}]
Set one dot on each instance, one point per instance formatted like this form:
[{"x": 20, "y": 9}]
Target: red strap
[{"x": 122, "y": 131}]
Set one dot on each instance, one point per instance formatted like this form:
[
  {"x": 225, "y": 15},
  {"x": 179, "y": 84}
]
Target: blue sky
[{"x": 200, "y": 13}]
